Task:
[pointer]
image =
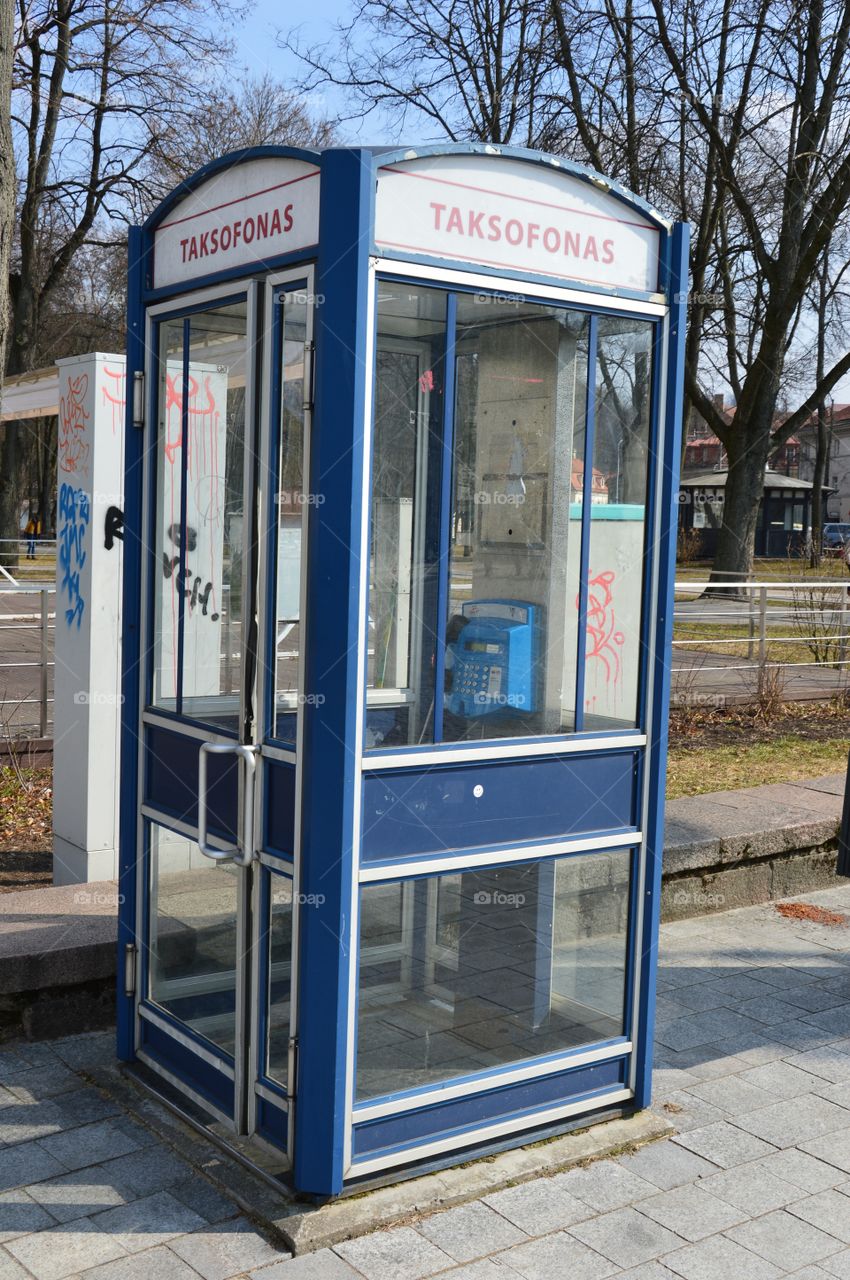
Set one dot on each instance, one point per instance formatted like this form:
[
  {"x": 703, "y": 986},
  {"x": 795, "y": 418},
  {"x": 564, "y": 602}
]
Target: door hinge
[
  {"x": 139, "y": 400},
  {"x": 131, "y": 953}
]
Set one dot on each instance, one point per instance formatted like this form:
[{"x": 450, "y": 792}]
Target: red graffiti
[
  {"x": 73, "y": 425},
  {"x": 603, "y": 638},
  {"x": 113, "y": 394}
]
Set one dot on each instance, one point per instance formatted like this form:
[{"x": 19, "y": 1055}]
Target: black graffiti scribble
[
  {"x": 176, "y": 536},
  {"x": 173, "y": 566},
  {"x": 114, "y": 527}
]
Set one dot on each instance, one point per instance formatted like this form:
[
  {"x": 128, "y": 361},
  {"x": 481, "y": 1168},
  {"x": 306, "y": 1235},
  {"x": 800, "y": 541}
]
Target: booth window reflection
[
  {"x": 474, "y": 628},
  {"x": 520, "y": 404},
  {"x": 404, "y": 535},
  {"x": 464, "y": 972},
  {"x": 615, "y": 575},
  {"x": 199, "y": 535}
]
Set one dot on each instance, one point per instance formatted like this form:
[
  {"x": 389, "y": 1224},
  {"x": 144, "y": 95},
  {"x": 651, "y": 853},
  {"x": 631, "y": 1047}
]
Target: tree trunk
[
  {"x": 733, "y": 562},
  {"x": 8, "y": 453},
  {"x": 822, "y": 446}
]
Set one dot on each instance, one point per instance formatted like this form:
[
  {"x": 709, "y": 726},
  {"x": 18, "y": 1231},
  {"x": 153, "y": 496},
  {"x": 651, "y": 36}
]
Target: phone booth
[{"x": 402, "y": 454}]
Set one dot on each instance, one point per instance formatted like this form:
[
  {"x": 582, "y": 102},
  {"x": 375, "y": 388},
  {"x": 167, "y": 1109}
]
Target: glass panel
[
  {"x": 212, "y": 637},
  {"x": 291, "y": 505},
  {"x": 520, "y": 404},
  {"x": 463, "y": 972},
  {"x": 168, "y": 521},
  {"x": 192, "y": 957},
  {"x": 617, "y": 529},
  {"x": 198, "y": 522},
  {"x": 411, "y": 335},
  {"x": 279, "y": 977}
]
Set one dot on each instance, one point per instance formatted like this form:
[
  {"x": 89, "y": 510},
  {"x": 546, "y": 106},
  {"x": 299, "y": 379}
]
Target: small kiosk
[{"x": 402, "y": 453}]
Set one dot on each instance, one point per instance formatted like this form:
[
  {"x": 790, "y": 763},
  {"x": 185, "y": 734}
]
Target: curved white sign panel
[
  {"x": 242, "y": 216},
  {"x": 497, "y": 211}
]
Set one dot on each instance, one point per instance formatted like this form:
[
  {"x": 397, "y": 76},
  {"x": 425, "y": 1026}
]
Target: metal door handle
[{"x": 241, "y": 853}]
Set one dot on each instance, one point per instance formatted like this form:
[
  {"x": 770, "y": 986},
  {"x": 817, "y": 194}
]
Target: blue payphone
[{"x": 492, "y": 659}]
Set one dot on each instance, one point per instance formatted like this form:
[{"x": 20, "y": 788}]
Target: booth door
[{"x": 230, "y": 384}]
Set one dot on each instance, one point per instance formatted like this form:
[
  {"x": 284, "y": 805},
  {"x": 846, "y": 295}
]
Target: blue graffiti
[{"x": 74, "y": 520}]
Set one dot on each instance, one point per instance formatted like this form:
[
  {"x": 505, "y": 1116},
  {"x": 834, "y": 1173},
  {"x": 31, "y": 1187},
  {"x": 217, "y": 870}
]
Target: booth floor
[{"x": 753, "y": 1070}]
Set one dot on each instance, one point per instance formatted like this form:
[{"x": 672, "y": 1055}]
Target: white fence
[
  {"x": 27, "y": 630},
  {"x": 734, "y": 639}
]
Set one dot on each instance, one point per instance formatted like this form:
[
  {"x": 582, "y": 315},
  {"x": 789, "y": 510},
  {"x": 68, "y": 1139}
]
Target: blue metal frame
[
  {"x": 444, "y": 567},
  {"x": 132, "y": 648},
  {"x": 586, "y": 512},
  {"x": 271, "y": 534},
  {"x": 261, "y": 995},
  {"x": 331, "y": 662},
  {"x": 675, "y": 266},
  {"x": 327, "y": 946}
]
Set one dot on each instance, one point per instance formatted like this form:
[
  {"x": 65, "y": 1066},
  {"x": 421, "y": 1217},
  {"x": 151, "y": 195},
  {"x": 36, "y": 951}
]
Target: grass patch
[
  {"x": 26, "y": 808},
  {"x": 693, "y": 772},
  {"x": 778, "y": 570}
]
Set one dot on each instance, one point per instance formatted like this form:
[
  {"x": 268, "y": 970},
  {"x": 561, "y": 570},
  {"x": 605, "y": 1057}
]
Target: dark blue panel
[
  {"x": 280, "y": 807},
  {"x": 675, "y": 268},
  {"x": 131, "y": 643},
  {"x": 434, "y": 810},
  {"x": 171, "y": 781},
  {"x": 331, "y": 661},
  {"x": 272, "y": 1123},
  {"x": 200, "y": 1075},
  {"x": 526, "y": 1097}
]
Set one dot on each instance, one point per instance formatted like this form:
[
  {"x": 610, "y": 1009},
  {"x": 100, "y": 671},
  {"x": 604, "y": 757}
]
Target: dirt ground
[
  {"x": 713, "y": 749},
  {"x": 26, "y": 828}
]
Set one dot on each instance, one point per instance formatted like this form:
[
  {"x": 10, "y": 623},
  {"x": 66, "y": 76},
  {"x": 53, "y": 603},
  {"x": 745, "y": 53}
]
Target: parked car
[{"x": 835, "y": 536}]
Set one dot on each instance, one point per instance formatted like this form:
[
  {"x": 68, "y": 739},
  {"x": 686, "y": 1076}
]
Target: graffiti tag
[{"x": 74, "y": 520}]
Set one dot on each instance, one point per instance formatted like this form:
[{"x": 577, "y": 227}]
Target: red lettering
[
  {"x": 439, "y": 210},
  {"x": 455, "y": 222},
  {"x": 474, "y": 224},
  {"x": 248, "y": 230},
  {"x": 287, "y": 218},
  {"x": 572, "y": 244},
  {"x": 226, "y": 237},
  {"x": 193, "y": 248},
  {"x": 214, "y": 240},
  {"x": 262, "y": 225},
  {"x": 274, "y": 229},
  {"x": 237, "y": 230},
  {"x": 494, "y": 222},
  {"x": 533, "y": 234},
  {"x": 608, "y": 251},
  {"x": 204, "y": 243},
  {"x": 551, "y": 240},
  {"x": 183, "y": 244},
  {"x": 514, "y": 236},
  {"x": 590, "y": 248}
]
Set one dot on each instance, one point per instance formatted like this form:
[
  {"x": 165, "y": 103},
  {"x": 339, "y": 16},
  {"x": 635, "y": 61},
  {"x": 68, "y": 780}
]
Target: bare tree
[
  {"x": 473, "y": 69},
  {"x": 731, "y": 114},
  {"x": 96, "y": 83},
  {"x": 252, "y": 112}
]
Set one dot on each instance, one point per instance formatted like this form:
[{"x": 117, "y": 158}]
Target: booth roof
[{"x": 717, "y": 480}]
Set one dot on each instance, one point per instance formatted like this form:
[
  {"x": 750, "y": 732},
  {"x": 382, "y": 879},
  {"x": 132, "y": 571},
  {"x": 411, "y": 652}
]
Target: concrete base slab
[{"x": 305, "y": 1227}]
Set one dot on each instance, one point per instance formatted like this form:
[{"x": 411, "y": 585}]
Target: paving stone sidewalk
[{"x": 753, "y": 1069}]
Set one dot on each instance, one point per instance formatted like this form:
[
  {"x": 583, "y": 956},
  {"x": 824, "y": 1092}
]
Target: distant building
[
  {"x": 784, "y": 518},
  {"x": 704, "y": 451},
  {"x": 837, "y": 475},
  {"x": 598, "y": 483}
]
